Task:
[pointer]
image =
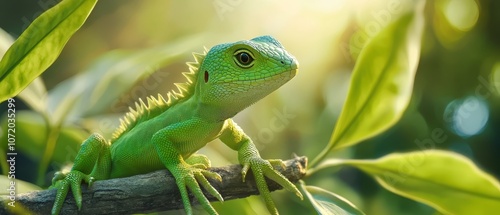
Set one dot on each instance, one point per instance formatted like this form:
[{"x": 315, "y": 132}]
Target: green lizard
[{"x": 166, "y": 133}]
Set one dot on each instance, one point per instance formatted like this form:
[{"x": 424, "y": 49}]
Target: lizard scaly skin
[{"x": 165, "y": 133}]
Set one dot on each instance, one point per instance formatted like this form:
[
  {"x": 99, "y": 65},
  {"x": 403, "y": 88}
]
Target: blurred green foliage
[{"x": 130, "y": 49}]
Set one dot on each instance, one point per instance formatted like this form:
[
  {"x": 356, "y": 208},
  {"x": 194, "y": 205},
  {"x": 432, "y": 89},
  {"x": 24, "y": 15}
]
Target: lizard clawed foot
[
  {"x": 277, "y": 162},
  {"x": 261, "y": 168},
  {"x": 198, "y": 161},
  {"x": 191, "y": 177},
  {"x": 63, "y": 182}
]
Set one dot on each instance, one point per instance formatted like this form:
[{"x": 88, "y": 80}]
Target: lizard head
[{"x": 235, "y": 75}]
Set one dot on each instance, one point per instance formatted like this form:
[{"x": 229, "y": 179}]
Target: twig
[{"x": 151, "y": 192}]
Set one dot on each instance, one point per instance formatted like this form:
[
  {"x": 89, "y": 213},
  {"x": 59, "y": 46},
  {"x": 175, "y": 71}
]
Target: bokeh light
[
  {"x": 495, "y": 77},
  {"x": 461, "y": 14},
  {"x": 467, "y": 117},
  {"x": 453, "y": 18}
]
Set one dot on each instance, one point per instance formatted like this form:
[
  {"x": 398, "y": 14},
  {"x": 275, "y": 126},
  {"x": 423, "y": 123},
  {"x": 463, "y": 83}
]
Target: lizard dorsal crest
[{"x": 156, "y": 105}]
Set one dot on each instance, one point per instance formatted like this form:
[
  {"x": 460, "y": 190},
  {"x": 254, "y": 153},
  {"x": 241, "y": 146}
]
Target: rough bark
[{"x": 151, "y": 192}]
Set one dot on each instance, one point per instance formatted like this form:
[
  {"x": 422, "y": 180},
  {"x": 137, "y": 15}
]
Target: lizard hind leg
[{"x": 92, "y": 162}]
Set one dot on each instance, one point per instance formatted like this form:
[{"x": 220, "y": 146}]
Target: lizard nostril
[{"x": 282, "y": 62}]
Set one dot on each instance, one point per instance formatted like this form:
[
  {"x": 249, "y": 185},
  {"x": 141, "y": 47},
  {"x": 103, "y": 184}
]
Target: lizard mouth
[{"x": 286, "y": 75}]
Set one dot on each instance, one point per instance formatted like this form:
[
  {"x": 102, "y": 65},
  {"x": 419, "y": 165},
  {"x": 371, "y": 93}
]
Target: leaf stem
[
  {"x": 320, "y": 157},
  {"x": 52, "y": 136}
]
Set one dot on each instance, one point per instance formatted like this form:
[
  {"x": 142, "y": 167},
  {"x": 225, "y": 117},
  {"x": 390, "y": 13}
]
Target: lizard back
[{"x": 157, "y": 105}]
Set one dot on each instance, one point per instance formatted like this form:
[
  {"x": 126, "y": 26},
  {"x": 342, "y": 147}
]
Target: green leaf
[
  {"x": 381, "y": 83},
  {"x": 40, "y": 45},
  {"x": 35, "y": 93},
  {"x": 325, "y": 202},
  {"x": 447, "y": 181}
]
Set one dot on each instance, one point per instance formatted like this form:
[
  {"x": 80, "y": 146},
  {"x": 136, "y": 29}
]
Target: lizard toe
[
  {"x": 276, "y": 176},
  {"x": 202, "y": 179},
  {"x": 65, "y": 182},
  {"x": 189, "y": 177},
  {"x": 62, "y": 192},
  {"x": 277, "y": 162},
  {"x": 57, "y": 177},
  {"x": 263, "y": 168}
]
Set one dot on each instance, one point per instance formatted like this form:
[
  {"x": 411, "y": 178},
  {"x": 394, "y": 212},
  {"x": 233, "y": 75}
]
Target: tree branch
[{"x": 151, "y": 192}]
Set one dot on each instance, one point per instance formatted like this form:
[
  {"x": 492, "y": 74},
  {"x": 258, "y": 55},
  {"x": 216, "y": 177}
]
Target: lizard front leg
[
  {"x": 93, "y": 162},
  {"x": 188, "y": 174},
  {"x": 248, "y": 156}
]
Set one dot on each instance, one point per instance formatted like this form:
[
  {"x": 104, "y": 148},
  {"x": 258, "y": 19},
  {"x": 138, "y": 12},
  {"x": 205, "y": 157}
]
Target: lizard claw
[
  {"x": 261, "y": 168},
  {"x": 198, "y": 161},
  {"x": 190, "y": 177},
  {"x": 57, "y": 177},
  {"x": 277, "y": 162},
  {"x": 202, "y": 179},
  {"x": 65, "y": 181},
  {"x": 244, "y": 171},
  {"x": 90, "y": 181}
]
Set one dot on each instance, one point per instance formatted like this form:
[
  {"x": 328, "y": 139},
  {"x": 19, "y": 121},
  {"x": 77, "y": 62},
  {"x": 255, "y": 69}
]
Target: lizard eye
[{"x": 243, "y": 58}]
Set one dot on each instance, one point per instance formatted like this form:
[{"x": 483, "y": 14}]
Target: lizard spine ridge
[{"x": 157, "y": 105}]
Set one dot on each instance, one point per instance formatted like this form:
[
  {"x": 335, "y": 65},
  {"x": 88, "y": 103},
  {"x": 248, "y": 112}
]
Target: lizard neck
[{"x": 211, "y": 112}]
